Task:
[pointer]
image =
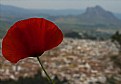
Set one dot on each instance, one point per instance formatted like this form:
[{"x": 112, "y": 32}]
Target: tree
[{"x": 116, "y": 38}]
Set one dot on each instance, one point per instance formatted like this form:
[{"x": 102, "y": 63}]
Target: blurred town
[{"x": 77, "y": 61}]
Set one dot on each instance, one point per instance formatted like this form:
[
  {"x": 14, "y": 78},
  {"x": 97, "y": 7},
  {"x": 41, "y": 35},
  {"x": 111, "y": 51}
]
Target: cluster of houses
[{"x": 78, "y": 61}]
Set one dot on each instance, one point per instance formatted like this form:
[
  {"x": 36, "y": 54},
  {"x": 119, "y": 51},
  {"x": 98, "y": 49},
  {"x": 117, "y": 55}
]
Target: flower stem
[{"x": 48, "y": 77}]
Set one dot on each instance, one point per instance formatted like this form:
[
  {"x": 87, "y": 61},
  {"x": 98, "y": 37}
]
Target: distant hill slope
[
  {"x": 118, "y": 15},
  {"x": 6, "y": 10},
  {"x": 10, "y": 10}
]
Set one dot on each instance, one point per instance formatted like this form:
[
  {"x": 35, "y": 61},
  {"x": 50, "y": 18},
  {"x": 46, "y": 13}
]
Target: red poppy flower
[{"x": 30, "y": 38}]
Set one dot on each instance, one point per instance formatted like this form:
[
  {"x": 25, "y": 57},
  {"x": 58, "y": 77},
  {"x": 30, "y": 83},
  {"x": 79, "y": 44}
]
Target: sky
[{"x": 110, "y": 5}]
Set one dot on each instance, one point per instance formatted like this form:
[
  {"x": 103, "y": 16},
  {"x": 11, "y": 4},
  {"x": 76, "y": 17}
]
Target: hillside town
[{"x": 77, "y": 61}]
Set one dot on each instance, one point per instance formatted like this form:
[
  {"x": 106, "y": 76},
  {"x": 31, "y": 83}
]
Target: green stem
[{"x": 48, "y": 77}]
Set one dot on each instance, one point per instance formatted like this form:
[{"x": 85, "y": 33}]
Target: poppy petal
[{"x": 30, "y": 38}]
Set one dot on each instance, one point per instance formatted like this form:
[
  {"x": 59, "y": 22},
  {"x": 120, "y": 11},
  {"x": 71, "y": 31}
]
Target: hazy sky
[{"x": 111, "y": 5}]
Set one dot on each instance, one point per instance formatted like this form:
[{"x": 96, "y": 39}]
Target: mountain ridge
[
  {"x": 92, "y": 16},
  {"x": 90, "y": 20},
  {"x": 52, "y": 12}
]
